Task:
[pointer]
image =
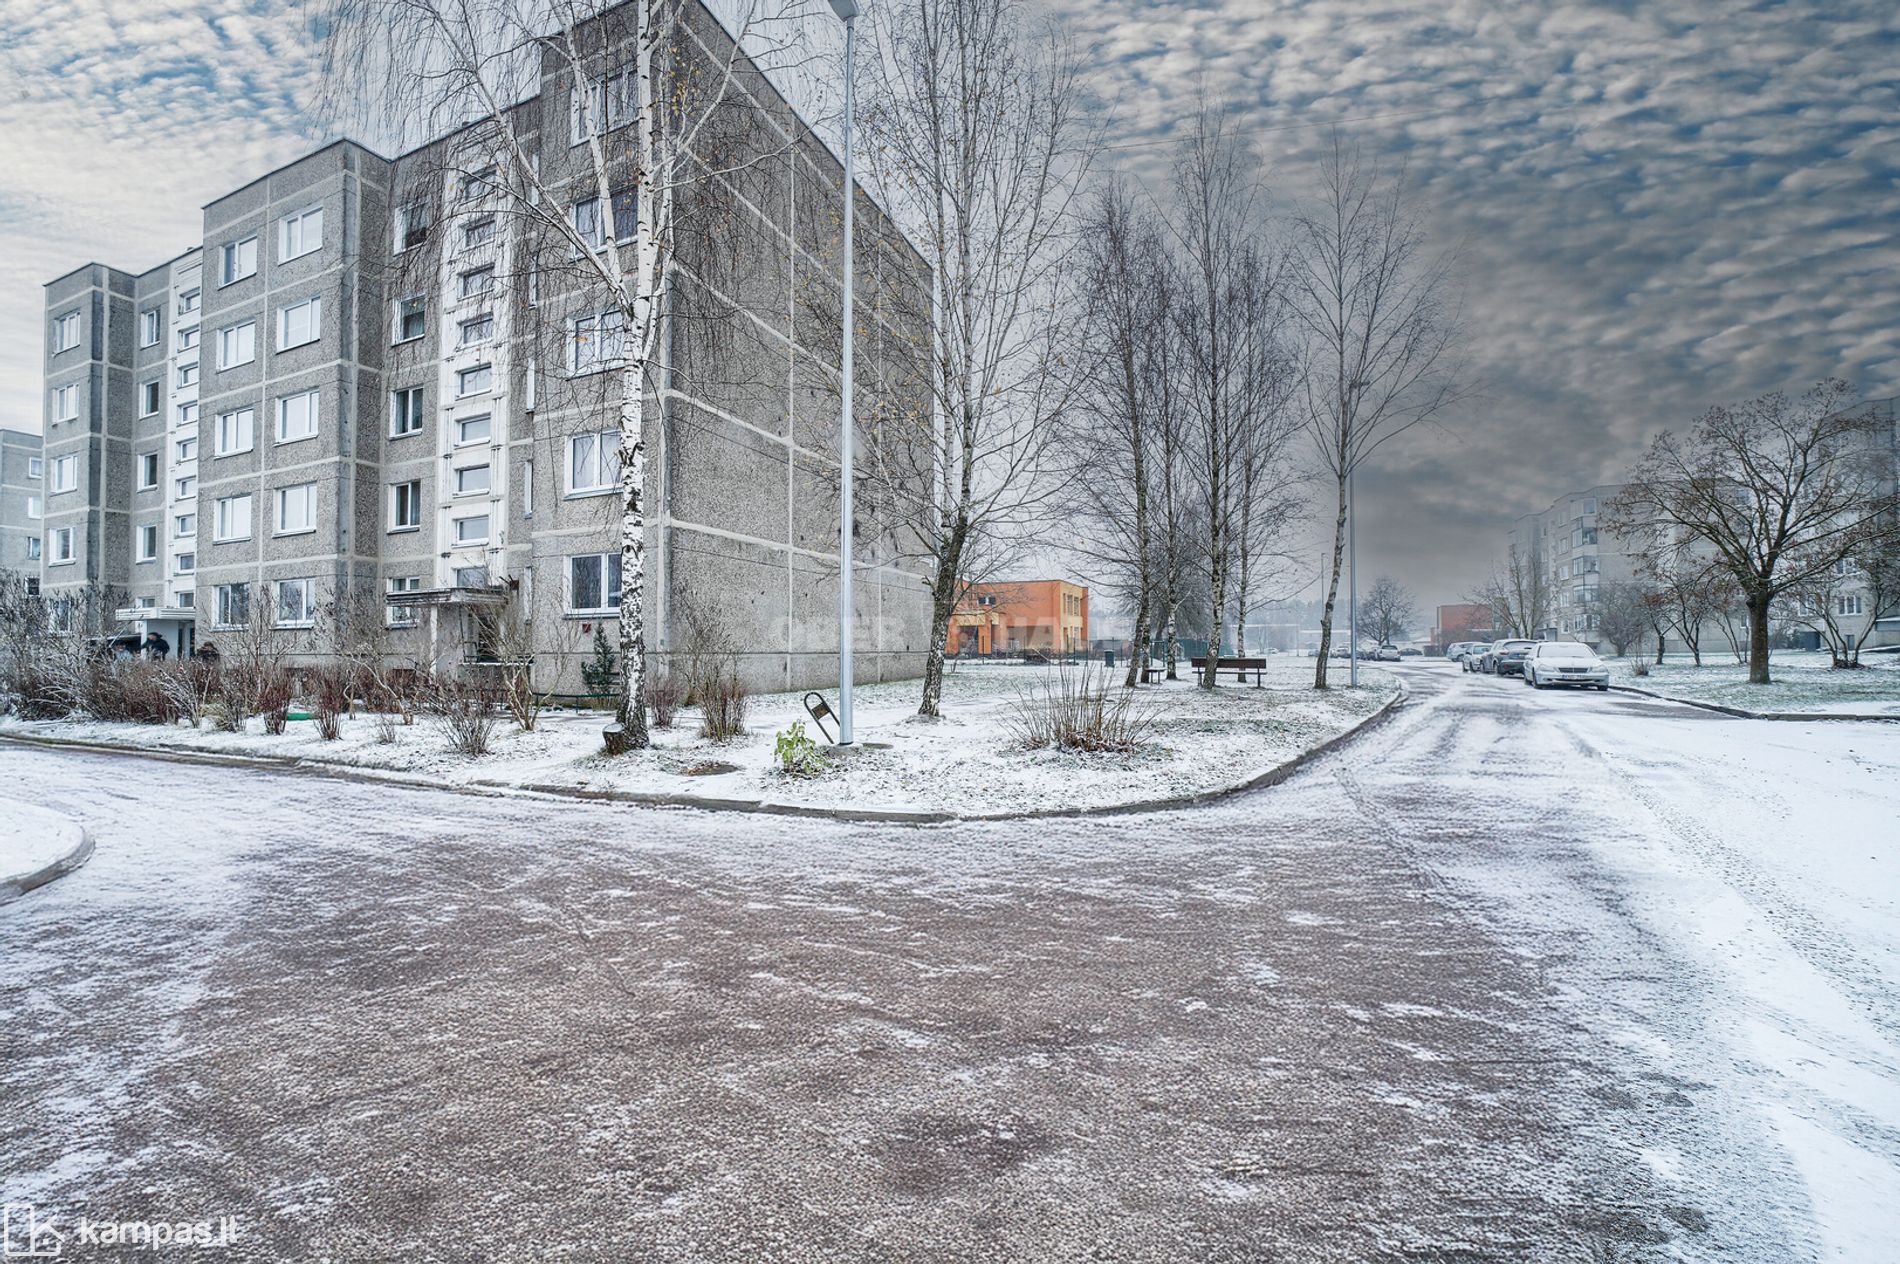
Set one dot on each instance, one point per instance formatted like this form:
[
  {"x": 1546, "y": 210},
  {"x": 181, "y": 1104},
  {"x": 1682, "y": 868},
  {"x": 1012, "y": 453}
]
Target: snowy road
[{"x": 1517, "y": 976}]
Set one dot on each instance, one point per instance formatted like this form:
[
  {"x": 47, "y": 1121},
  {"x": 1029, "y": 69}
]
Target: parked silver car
[
  {"x": 1553, "y": 663},
  {"x": 1506, "y": 658}
]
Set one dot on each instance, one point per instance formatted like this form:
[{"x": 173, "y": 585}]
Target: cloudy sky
[{"x": 1660, "y": 205}]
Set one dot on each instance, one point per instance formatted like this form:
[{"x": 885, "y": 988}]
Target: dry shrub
[
  {"x": 1082, "y": 711},
  {"x": 330, "y": 698},
  {"x": 722, "y": 700},
  {"x": 664, "y": 695},
  {"x": 271, "y": 698},
  {"x": 467, "y": 710},
  {"x": 129, "y": 690}
]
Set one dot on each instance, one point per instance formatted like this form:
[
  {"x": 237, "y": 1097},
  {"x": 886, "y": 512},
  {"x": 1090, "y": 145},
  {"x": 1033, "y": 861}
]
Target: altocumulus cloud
[{"x": 1659, "y": 205}]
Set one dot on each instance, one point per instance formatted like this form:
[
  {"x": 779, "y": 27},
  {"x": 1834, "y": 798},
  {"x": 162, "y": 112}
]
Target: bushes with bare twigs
[
  {"x": 664, "y": 695},
  {"x": 1082, "y": 711},
  {"x": 722, "y": 702},
  {"x": 468, "y": 710}
]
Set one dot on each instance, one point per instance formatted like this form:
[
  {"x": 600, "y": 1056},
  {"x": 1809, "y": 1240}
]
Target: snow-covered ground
[
  {"x": 32, "y": 838},
  {"x": 968, "y": 763},
  {"x": 1802, "y": 683}
]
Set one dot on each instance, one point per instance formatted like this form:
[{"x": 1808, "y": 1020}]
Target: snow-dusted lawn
[
  {"x": 1802, "y": 682},
  {"x": 968, "y": 763},
  {"x": 32, "y": 838}
]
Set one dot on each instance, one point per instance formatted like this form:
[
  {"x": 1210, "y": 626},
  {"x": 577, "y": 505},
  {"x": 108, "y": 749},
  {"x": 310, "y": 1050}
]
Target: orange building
[{"x": 1050, "y": 615}]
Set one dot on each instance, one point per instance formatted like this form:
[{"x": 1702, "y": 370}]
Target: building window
[
  {"x": 587, "y": 224},
  {"x": 297, "y": 417},
  {"x": 150, "y": 327},
  {"x": 188, "y": 338},
  {"x": 587, "y": 218},
  {"x": 471, "y": 480},
  {"x": 472, "y": 530},
  {"x": 593, "y": 583},
  {"x": 188, "y": 301},
  {"x": 186, "y": 449},
  {"x": 477, "y": 281},
  {"x": 65, "y": 474},
  {"x": 603, "y": 105},
  {"x": 187, "y": 372},
  {"x": 148, "y": 399},
  {"x": 527, "y": 489},
  {"x": 184, "y": 564},
  {"x": 65, "y": 332},
  {"x": 405, "y": 505},
  {"x": 478, "y": 233},
  {"x": 477, "y": 329},
  {"x": 148, "y": 543},
  {"x": 238, "y": 259},
  {"x": 33, "y": 507},
  {"x": 236, "y": 431},
  {"x": 185, "y": 488},
  {"x": 1848, "y": 605},
  {"x": 62, "y": 545},
  {"x": 403, "y": 616},
  {"x": 299, "y": 323},
  {"x": 35, "y": 467},
  {"x": 299, "y": 234},
  {"x": 405, "y": 412},
  {"x": 184, "y": 526},
  {"x": 32, "y": 548},
  {"x": 593, "y": 462},
  {"x": 296, "y": 603},
  {"x": 148, "y": 471},
  {"x": 236, "y": 345},
  {"x": 66, "y": 403},
  {"x": 472, "y": 430},
  {"x": 233, "y": 605},
  {"x": 478, "y": 183},
  {"x": 596, "y": 342},
  {"x": 1589, "y": 504},
  {"x": 412, "y": 318},
  {"x": 474, "y": 381},
  {"x": 412, "y": 225},
  {"x": 528, "y": 391},
  {"x": 297, "y": 509},
  {"x": 233, "y": 518}
]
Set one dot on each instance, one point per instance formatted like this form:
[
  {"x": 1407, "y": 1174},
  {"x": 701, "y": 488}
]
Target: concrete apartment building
[
  {"x": 1576, "y": 558},
  {"x": 367, "y": 382},
  {"x": 21, "y": 515}
]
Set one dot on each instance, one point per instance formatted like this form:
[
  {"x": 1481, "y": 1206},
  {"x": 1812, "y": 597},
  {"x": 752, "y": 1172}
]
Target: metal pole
[
  {"x": 846, "y": 677},
  {"x": 1352, "y": 570}
]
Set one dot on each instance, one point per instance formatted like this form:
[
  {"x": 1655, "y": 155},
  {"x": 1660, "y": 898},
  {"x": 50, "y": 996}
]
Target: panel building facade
[{"x": 369, "y": 384}]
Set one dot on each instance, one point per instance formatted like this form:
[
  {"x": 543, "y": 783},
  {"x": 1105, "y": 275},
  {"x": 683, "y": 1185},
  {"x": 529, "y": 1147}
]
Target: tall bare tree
[
  {"x": 1776, "y": 491},
  {"x": 976, "y": 136},
  {"x": 1622, "y": 613},
  {"x": 637, "y": 84},
  {"x": 1517, "y": 593},
  {"x": 1380, "y": 317}
]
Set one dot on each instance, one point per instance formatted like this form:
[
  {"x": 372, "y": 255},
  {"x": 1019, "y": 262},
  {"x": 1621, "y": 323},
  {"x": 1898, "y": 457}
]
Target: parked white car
[{"x": 1553, "y": 663}]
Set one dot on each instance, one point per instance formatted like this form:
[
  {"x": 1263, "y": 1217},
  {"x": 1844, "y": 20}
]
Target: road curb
[
  {"x": 76, "y": 855},
  {"x": 759, "y": 807},
  {"x": 1740, "y": 714}
]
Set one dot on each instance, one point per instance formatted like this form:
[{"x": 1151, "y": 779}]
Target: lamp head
[{"x": 845, "y": 9}]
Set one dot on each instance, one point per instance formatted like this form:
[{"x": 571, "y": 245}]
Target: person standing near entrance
[{"x": 156, "y": 646}]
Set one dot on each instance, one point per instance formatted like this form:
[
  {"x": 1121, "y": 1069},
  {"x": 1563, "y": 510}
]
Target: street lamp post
[
  {"x": 1352, "y": 572},
  {"x": 847, "y": 11}
]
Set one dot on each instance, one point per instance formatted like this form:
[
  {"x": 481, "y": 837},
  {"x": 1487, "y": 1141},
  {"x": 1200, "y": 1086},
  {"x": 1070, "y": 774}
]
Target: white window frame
[
  {"x": 35, "y": 467},
  {"x": 462, "y": 424},
  {"x": 225, "y": 527},
  {"x": 487, "y": 275},
  {"x": 65, "y": 332},
  {"x": 233, "y": 351},
  {"x": 420, "y": 304},
  {"x": 62, "y": 552},
  {"x": 65, "y": 475},
  {"x": 66, "y": 402},
  {"x": 488, "y": 480},
  {"x": 188, "y": 337},
  {"x": 150, "y": 471},
  {"x": 473, "y": 235},
  {"x": 33, "y": 509},
  {"x": 484, "y": 323},
  {"x": 151, "y": 397},
  {"x": 189, "y": 300},
  {"x": 184, "y": 564},
  {"x": 310, "y": 401},
  {"x": 604, "y": 569},
  {"x": 597, "y": 448},
  {"x": 233, "y": 264},
  {"x": 244, "y": 433},
  {"x": 396, "y": 585},
  {"x": 187, "y": 373},
  {"x": 185, "y": 449},
  {"x": 146, "y": 543},
  {"x": 458, "y": 540},
  {"x": 409, "y": 489},
  {"x": 300, "y": 233},
  {"x": 184, "y": 525},
  {"x": 400, "y": 414},
  {"x": 306, "y": 587},
  {"x": 151, "y": 326},
  {"x": 314, "y": 307},
  {"x": 596, "y": 342},
  {"x": 462, "y": 377},
  {"x": 223, "y": 602},
  {"x": 185, "y": 487},
  {"x": 295, "y": 495}
]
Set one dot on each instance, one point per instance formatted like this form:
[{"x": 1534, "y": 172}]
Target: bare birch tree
[
  {"x": 636, "y": 87},
  {"x": 1380, "y": 318},
  {"x": 975, "y": 136}
]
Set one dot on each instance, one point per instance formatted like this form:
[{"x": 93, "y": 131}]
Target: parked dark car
[{"x": 1506, "y": 658}]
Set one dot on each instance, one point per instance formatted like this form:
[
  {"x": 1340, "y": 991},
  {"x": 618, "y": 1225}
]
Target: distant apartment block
[
  {"x": 21, "y": 499},
  {"x": 366, "y": 384},
  {"x": 1575, "y": 557},
  {"x": 1011, "y": 616}
]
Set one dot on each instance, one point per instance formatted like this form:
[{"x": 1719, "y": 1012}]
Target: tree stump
[{"x": 616, "y": 739}]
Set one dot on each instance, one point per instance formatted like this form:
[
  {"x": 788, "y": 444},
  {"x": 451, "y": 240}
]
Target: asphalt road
[{"x": 1396, "y": 1008}]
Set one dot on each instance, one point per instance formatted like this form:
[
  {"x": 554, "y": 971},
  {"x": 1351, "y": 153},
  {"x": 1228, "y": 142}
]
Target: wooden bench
[{"x": 1239, "y": 666}]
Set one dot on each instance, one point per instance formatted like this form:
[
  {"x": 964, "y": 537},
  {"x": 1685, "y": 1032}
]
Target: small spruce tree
[{"x": 601, "y": 675}]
